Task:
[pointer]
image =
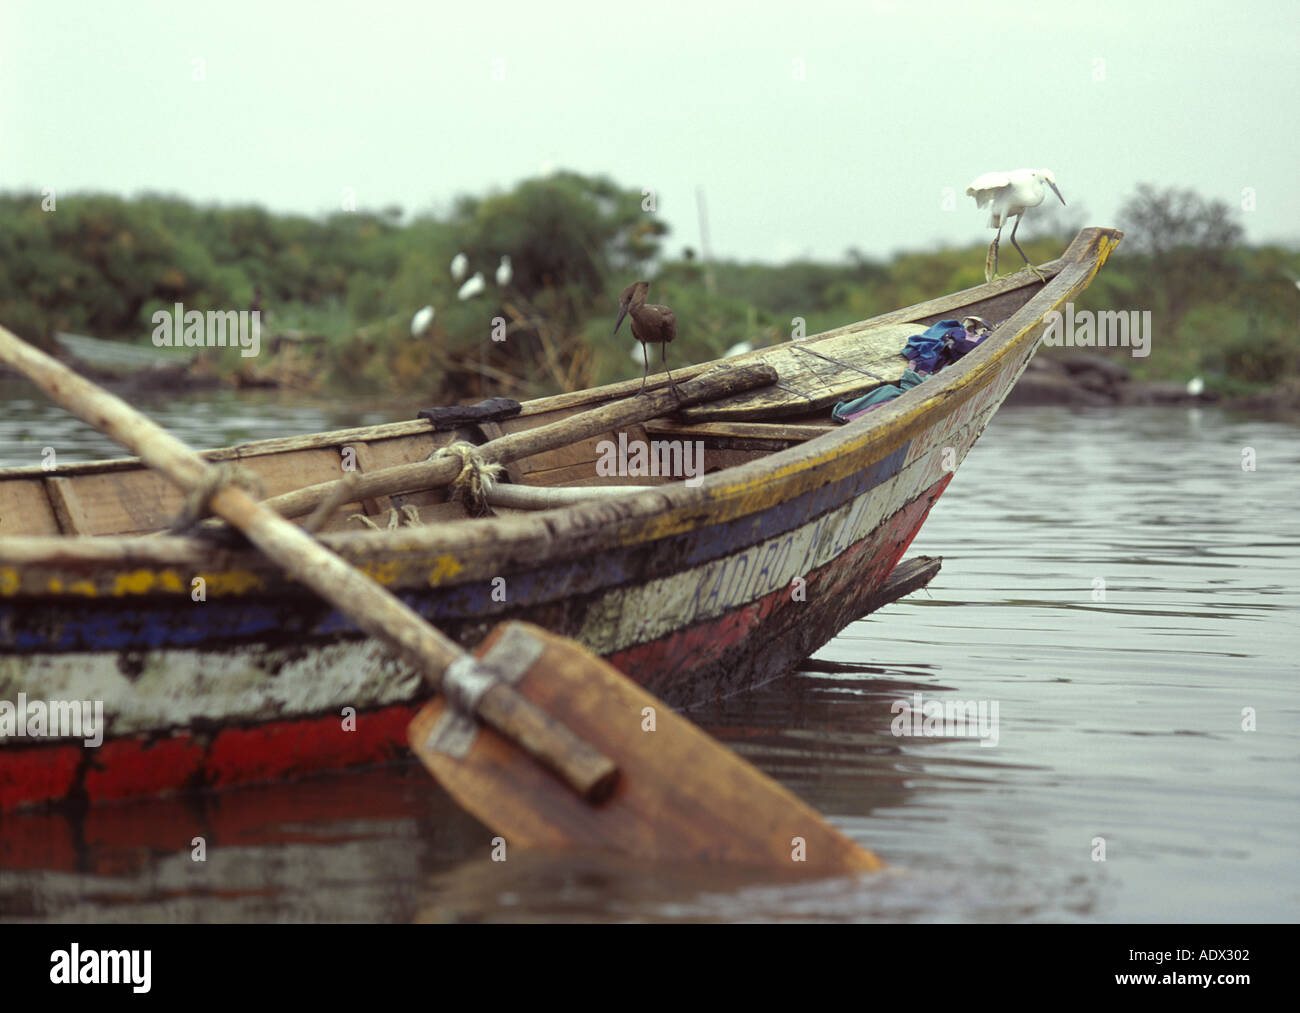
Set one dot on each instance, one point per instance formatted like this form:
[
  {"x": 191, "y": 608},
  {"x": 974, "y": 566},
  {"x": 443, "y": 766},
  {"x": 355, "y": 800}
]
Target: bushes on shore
[{"x": 341, "y": 290}]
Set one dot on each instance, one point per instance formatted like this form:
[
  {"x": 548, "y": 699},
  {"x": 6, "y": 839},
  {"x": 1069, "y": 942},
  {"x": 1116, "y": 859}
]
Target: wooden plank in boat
[
  {"x": 585, "y": 474},
  {"x": 67, "y": 506},
  {"x": 122, "y": 502},
  {"x": 737, "y": 435},
  {"x": 722, "y": 458},
  {"x": 816, "y": 374},
  {"x": 583, "y": 453},
  {"x": 283, "y": 472},
  {"x": 368, "y": 461},
  {"x": 140, "y": 500},
  {"x": 25, "y": 509},
  {"x": 402, "y": 450}
]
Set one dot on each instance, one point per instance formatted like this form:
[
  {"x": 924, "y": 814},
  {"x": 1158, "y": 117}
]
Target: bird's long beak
[
  {"x": 622, "y": 312},
  {"x": 1058, "y": 194}
]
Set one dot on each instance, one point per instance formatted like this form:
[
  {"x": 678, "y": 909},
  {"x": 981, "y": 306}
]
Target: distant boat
[
  {"x": 122, "y": 357},
  {"x": 694, "y": 589}
]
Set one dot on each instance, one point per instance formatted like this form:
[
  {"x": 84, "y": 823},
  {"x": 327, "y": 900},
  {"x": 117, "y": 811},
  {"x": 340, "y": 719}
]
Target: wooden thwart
[{"x": 71, "y": 518}]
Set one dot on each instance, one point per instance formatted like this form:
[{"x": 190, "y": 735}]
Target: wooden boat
[{"x": 213, "y": 669}]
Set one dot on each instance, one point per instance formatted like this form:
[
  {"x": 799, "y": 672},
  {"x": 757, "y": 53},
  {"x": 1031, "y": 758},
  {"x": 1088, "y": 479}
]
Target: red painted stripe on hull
[
  {"x": 289, "y": 748},
  {"x": 37, "y": 773},
  {"x": 137, "y": 767},
  {"x": 125, "y": 768}
]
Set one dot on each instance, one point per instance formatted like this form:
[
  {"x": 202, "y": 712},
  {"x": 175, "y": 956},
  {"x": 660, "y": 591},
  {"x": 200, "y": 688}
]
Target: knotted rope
[
  {"x": 198, "y": 504},
  {"x": 476, "y": 476}
]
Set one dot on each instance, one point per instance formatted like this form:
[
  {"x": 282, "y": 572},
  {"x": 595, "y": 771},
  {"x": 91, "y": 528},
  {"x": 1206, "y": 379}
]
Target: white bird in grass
[
  {"x": 1195, "y": 385},
  {"x": 459, "y": 267},
  {"x": 471, "y": 288},
  {"x": 1008, "y": 194},
  {"x": 504, "y": 272},
  {"x": 421, "y": 321}
]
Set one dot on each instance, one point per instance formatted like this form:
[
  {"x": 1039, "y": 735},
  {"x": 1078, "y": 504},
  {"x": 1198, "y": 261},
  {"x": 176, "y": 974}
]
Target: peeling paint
[
  {"x": 144, "y": 581},
  {"x": 444, "y": 568},
  {"x": 232, "y": 582}
]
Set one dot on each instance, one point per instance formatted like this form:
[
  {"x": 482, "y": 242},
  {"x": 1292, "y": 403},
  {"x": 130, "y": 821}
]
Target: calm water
[{"x": 1120, "y": 708}]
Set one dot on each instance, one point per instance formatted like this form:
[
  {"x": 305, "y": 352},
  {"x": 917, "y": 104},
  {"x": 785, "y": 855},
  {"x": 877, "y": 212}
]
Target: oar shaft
[
  {"x": 720, "y": 382},
  {"x": 368, "y": 604}
]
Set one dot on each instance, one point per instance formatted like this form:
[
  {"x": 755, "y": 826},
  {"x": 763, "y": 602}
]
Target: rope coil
[
  {"x": 475, "y": 479},
  {"x": 198, "y": 504}
]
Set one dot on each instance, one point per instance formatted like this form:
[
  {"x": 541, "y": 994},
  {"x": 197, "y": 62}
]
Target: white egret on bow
[{"x": 1008, "y": 195}]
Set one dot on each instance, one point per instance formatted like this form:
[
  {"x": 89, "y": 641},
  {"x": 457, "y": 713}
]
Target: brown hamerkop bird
[{"x": 650, "y": 325}]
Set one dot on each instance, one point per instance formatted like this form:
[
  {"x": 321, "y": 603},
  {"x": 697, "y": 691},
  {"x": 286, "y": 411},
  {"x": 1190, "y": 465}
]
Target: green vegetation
[{"x": 338, "y": 294}]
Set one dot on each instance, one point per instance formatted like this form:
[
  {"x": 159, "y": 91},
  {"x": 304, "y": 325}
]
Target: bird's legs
[
  {"x": 663, "y": 348},
  {"x": 645, "y": 368},
  {"x": 991, "y": 261},
  {"x": 1041, "y": 277}
]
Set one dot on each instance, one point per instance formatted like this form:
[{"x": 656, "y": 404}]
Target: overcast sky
[{"x": 811, "y": 126}]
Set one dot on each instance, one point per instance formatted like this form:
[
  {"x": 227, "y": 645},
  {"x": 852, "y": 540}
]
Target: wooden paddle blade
[{"x": 682, "y": 796}]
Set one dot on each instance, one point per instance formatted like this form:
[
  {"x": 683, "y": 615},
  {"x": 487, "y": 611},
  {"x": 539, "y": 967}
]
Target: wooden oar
[
  {"x": 682, "y": 795},
  {"x": 679, "y": 795}
]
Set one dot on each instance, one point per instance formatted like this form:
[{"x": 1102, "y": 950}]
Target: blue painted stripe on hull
[{"x": 145, "y": 624}]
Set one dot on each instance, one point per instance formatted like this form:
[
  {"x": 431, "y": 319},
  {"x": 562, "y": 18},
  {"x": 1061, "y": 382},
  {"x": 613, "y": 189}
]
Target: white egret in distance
[
  {"x": 1006, "y": 195},
  {"x": 459, "y": 267},
  {"x": 421, "y": 321},
  {"x": 504, "y": 272},
  {"x": 471, "y": 288}
]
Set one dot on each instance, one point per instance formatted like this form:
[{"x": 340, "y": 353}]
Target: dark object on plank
[{"x": 455, "y": 416}]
